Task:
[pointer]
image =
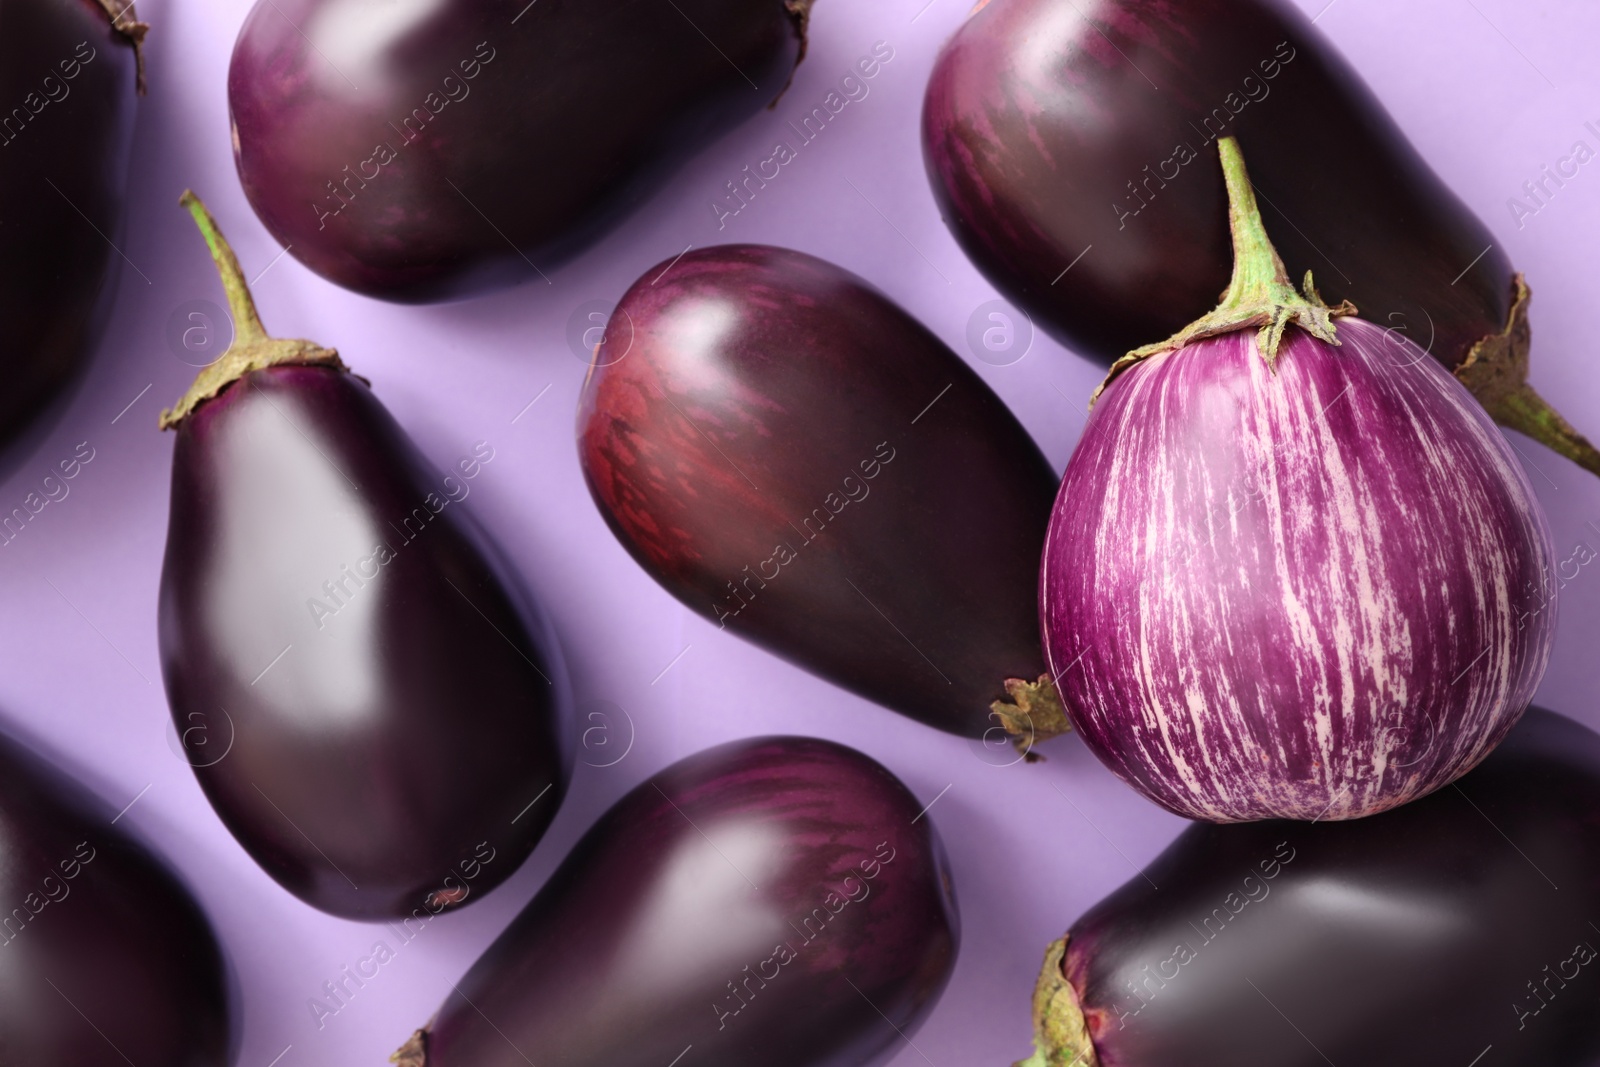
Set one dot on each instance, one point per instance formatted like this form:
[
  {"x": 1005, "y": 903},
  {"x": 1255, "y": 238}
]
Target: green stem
[
  {"x": 252, "y": 348},
  {"x": 1259, "y": 276},
  {"x": 1260, "y": 293},
  {"x": 241, "y": 305},
  {"x": 1531, "y": 415}
]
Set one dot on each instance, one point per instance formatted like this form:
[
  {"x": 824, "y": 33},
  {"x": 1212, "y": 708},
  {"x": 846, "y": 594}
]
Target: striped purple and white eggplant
[{"x": 1292, "y": 572}]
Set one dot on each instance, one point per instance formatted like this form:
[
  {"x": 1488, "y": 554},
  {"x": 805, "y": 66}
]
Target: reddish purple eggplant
[
  {"x": 1081, "y": 134},
  {"x": 370, "y": 702},
  {"x": 1293, "y": 572},
  {"x": 798, "y": 460},
  {"x": 69, "y": 71},
  {"x": 1457, "y": 930},
  {"x": 102, "y": 950},
  {"x": 432, "y": 151},
  {"x": 781, "y": 901}
]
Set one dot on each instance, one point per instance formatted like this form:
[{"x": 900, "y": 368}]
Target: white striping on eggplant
[{"x": 1297, "y": 588}]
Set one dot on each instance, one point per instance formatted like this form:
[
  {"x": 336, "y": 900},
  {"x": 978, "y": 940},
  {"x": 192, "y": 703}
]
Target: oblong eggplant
[
  {"x": 370, "y": 703},
  {"x": 1427, "y": 934},
  {"x": 1053, "y": 132},
  {"x": 69, "y": 71},
  {"x": 432, "y": 151},
  {"x": 101, "y": 947},
  {"x": 800, "y": 461},
  {"x": 780, "y": 901}
]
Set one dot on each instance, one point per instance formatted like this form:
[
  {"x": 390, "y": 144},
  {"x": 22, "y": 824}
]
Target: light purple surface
[{"x": 1489, "y": 90}]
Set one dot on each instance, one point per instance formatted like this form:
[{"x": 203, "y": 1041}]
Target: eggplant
[
  {"x": 1435, "y": 933},
  {"x": 1079, "y": 134},
  {"x": 1292, "y": 572},
  {"x": 798, "y": 460},
  {"x": 69, "y": 71},
  {"x": 777, "y": 900},
  {"x": 433, "y": 151},
  {"x": 395, "y": 708},
  {"x": 102, "y": 950}
]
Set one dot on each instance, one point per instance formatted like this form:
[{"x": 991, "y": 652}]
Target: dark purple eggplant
[
  {"x": 102, "y": 950},
  {"x": 69, "y": 70},
  {"x": 370, "y": 702},
  {"x": 1083, "y": 135},
  {"x": 780, "y": 901},
  {"x": 1460, "y": 929},
  {"x": 439, "y": 150},
  {"x": 800, "y": 461}
]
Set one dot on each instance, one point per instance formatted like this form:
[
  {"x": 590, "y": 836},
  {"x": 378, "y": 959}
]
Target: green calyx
[
  {"x": 252, "y": 348},
  {"x": 1260, "y": 295},
  {"x": 1060, "y": 1032},
  {"x": 1033, "y": 714},
  {"x": 1496, "y": 372}
]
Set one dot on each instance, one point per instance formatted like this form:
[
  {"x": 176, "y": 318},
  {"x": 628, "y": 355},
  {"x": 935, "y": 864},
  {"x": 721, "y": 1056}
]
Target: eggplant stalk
[
  {"x": 1260, "y": 293},
  {"x": 252, "y": 348}
]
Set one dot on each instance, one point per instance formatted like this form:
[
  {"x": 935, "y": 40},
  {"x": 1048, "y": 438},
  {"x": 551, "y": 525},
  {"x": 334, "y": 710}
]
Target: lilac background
[{"x": 1487, "y": 89}]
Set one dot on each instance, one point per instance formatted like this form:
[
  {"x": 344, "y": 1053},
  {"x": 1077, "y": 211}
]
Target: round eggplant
[
  {"x": 370, "y": 703},
  {"x": 102, "y": 950},
  {"x": 1082, "y": 134},
  {"x": 780, "y": 901},
  {"x": 798, "y": 460},
  {"x": 429, "y": 151},
  {"x": 69, "y": 70},
  {"x": 1457, "y": 930},
  {"x": 1293, "y": 571}
]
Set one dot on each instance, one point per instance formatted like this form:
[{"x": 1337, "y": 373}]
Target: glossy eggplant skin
[
  {"x": 797, "y": 459},
  {"x": 67, "y": 87},
  {"x": 1422, "y": 935},
  {"x": 371, "y": 706},
  {"x": 1046, "y": 126},
  {"x": 434, "y": 151},
  {"x": 759, "y": 902},
  {"x": 99, "y": 943}
]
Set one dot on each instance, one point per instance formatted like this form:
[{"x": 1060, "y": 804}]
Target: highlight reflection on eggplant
[
  {"x": 69, "y": 69},
  {"x": 101, "y": 944},
  {"x": 397, "y": 711},
  {"x": 422, "y": 152},
  {"x": 797, "y": 459},
  {"x": 778, "y": 901},
  {"x": 1420, "y": 936},
  {"x": 1053, "y": 131}
]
